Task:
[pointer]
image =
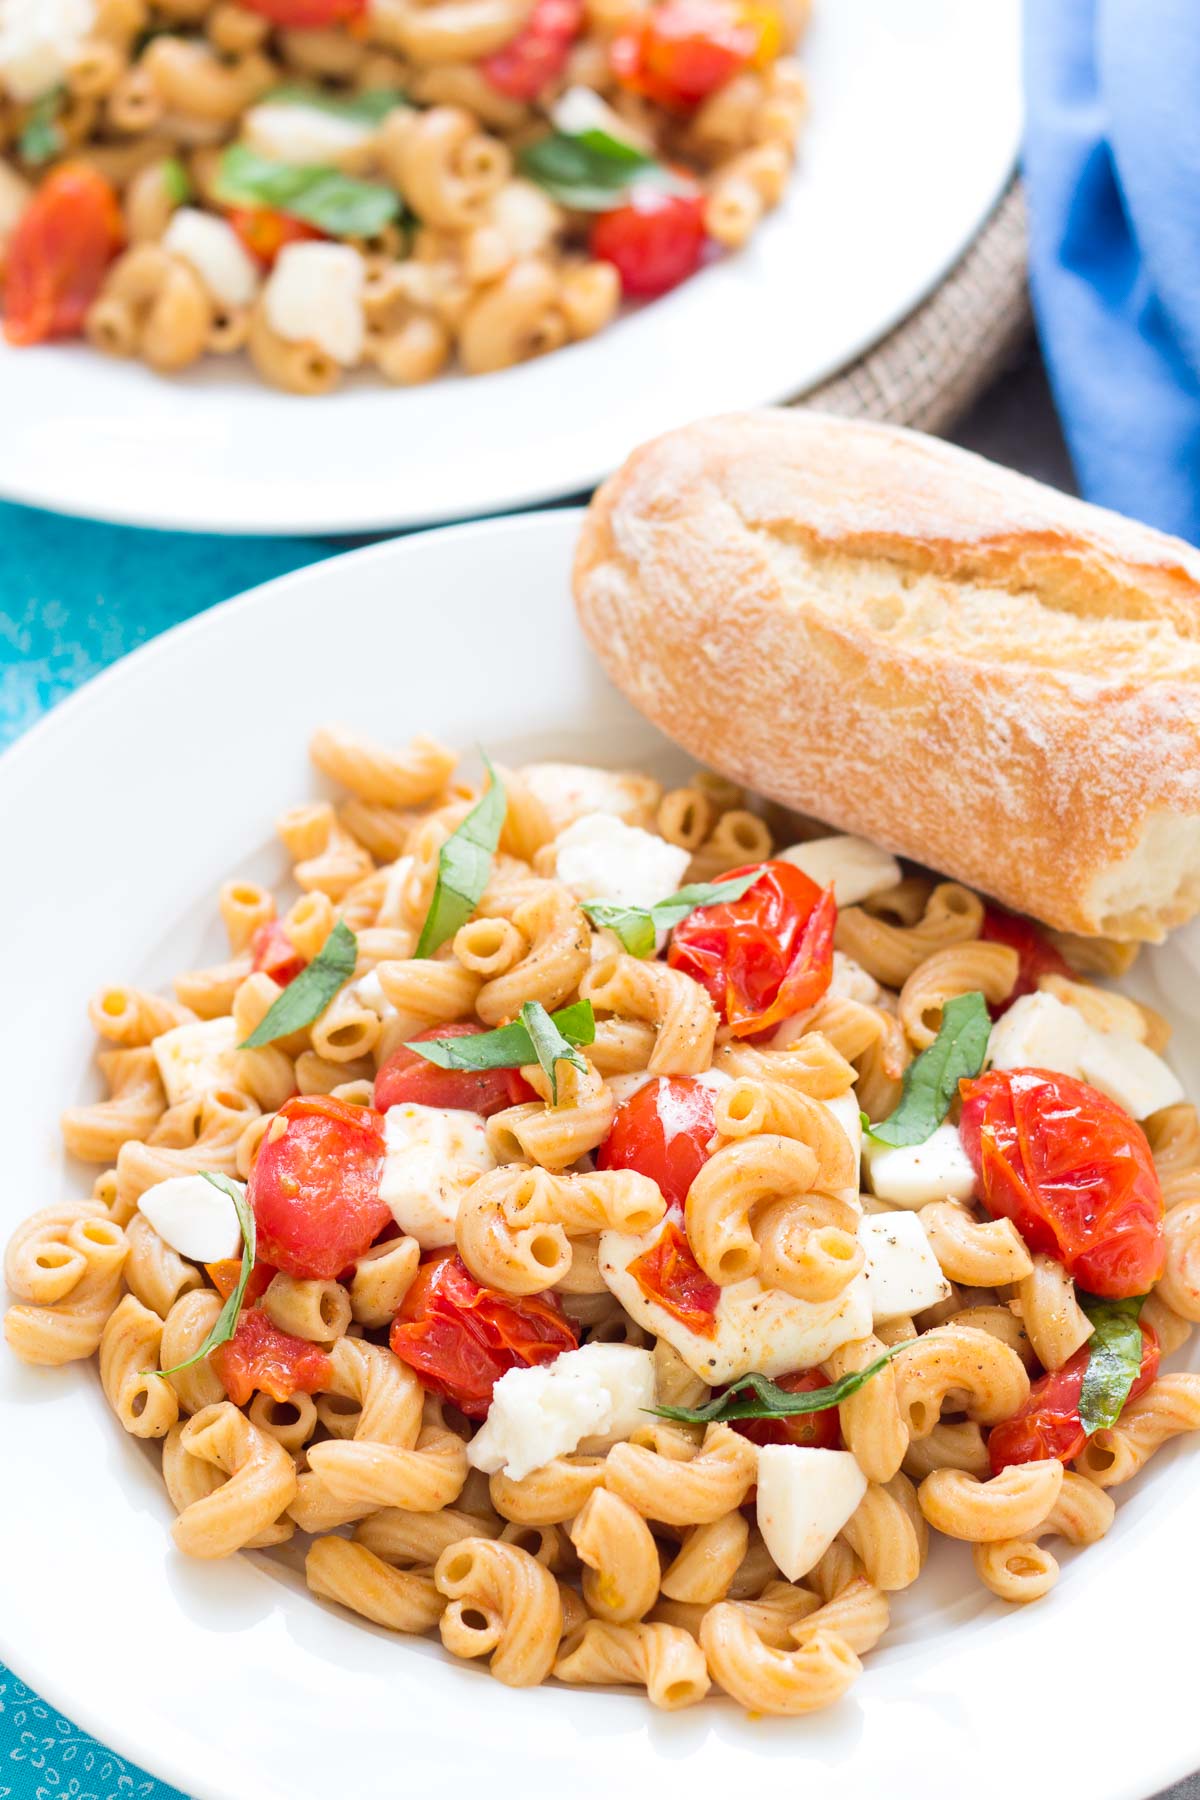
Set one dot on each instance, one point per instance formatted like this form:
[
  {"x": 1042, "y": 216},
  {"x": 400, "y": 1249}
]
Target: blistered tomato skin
[
  {"x": 669, "y": 1275},
  {"x": 406, "y": 1078},
  {"x": 538, "y": 53},
  {"x": 654, "y": 241},
  {"x": 679, "y": 52},
  {"x": 1072, "y": 1171},
  {"x": 811, "y": 1431},
  {"x": 663, "y": 1131},
  {"x": 58, "y": 254},
  {"x": 273, "y": 953},
  {"x": 259, "y": 1358},
  {"x": 314, "y": 1187},
  {"x": 764, "y": 957},
  {"x": 1049, "y": 1424}
]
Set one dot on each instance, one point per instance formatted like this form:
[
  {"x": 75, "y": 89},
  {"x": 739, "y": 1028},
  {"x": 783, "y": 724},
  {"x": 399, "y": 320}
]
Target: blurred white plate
[
  {"x": 914, "y": 131},
  {"x": 123, "y": 812}
]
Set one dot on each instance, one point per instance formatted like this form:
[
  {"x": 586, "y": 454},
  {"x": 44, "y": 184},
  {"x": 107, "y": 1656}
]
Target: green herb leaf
[
  {"x": 306, "y": 998},
  {"x": 591, "y": 171},
  {"x": 176, "y": 181},
  {"x": 764, "y": 1400},
  {"x": 42, "y": 139},
  {"x": 512, "y": 1046},
  {"x": 550, "y": 1045},
  {"x": 464, "y": 867},
  {"x": 367, "y": 108},
  {"x": 931, "y": 1082},
  {"x": 225, "y": 1323},
  {"x": 638, "y": 926},
  {"x": 337, "y": 204},
  {"x": 1114, "y": 1358}
]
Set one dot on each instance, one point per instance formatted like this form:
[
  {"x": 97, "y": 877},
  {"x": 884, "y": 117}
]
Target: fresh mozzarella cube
[
  {"x": 215, "y": 252},
  {"x": 1038, "y": 1032},
  {"x": 287, "y": 131},
  {"x": 848, "y": 1114},
  {"x": 914, "y": 1174},
  {"x": 195, "y": 1217},
  {"x": 433, "y": 1154},
  {"x": 903, "y": 1275},
  {"x": 854, "y": 868},
  {"x": 1129, "y": 1073},
  {"x": 596, "y": 1395},
  {"x": 756, "y": 1327},
  {"x": 38, "y": 41},
  {"x": 315, "y": 296},
  {"x": 599, "y": 857},
  {"x": 193, "y": 1059},
  {"x": 369, "y": 990},
  {"x": 569, "y": 790},
  {"x": 805, "y": 1496}
]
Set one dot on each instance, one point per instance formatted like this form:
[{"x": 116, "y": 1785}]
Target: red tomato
[
  {"x": 265, "y": 232},
  {"x": 682, "y": 51},
  {"x": 669, "y": 1275},
  {"x": 261, "y": 1358},
  {"x": 306, "y": 15},
  {"x": 461, "y": 1338},
  {"x": 273, "y": 953},
  {"x": 525, "y": 65},
  {"x": 315, "y": 1187},
  {"x": 1049, "y": 1424},
  {"x": 765, "y": 956},
  {"x": 406, "y": 1076},
  {"x": 813, "y": 1431},
  {"x": 663, "y": 1131},
  {"x": 655, "y": 240},
  {"x": 58, "y": 253},
  {"x": 225, "y": 1275},
  {"x": 1072, "y": 1171},
  {"x": 1037, "y": 956}
]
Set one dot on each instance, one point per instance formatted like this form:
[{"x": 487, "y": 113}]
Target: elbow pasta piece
[
  {"x": 261, "y": 1482},
  {"x": 1174, "y": 1137},
  {"x": 135, "y": 1105},
  {"x": 1019, "y": 1569},
  {"x": 1054, "y": 1322},
  {"x": 416, "y": 1540},
  {"x": 737, "y": 839},
  {"x": 1173, "y": 1332},
  {"x": 516, "y": 1601},
  {"x": 766, "y": 1680},
  {"x": 1179, "y": 1285},
  {"x": 744, "y": 1176},
  {"x": 154, "y": 1272},
  {"x": 290, "y": 1422},
  {"x": 427, "y": 992},
  {"x": 153, "y": 305},
  {"x": 888, "y": 1534},
  {"x": 952, "y": 1444},
  {"x": 445, "y": 167},
  {"x": 189, "y": 78},
  {"x": 514, "y": 1225},
  {"x": 891, "y": 953},
  {"x": 453, "y": 31},
  {"x": 1169, "y": 1406},
  {"x": 708, "y": 1559},
  {"x": 513, "y": 319},
  {"x": 559, "y": 951},
  {"x": 804, "y": 1254},
  {"x": 1008, "y": 1505},
  {"x": 347, "y": 1031},
  {"x": 133, "y": 1018},
  {"x": 184, "y": 1330},
  {"x": 990, "y": 969},
  {"x": 621, "y": 1567},
  {"x": 548, "y": 1543},
  {"x": 674, "y": 1383},
  {"x": 383, "y": 830},
  {"x": 956, "y": 1359},
  {"x": 550, "y": 1495},
  {"x": 350, "y": 1575},
  {"x": 858, "y": 1613},
  {"x": 663, "y": 1659},
  {"x": 872, "y": 1426},
  {"x": 621, "y": 1046},
  {"x": 684, "y": 1017},
  {"x": 244, "y": 908},
  {"x": 380, "y": 777},
  {"x": 382, "y": 1277},
  {"x": 685, "y": 816},
  {"x": 318, "y": 1311},
  {"x": 527, "y": 827},
  {"x": 65, "y": 1267},
  {"x": 347, "y": 1480},
  {"x": 129, "y": 1351},
  {"x": 489, "y": 946},
  {"x": 209, "y": 1129},
  {"x": 705, "y": 1488},
  {"x": 555, "y": 1136},
  {"x": 972, "y": 1253},
  {"x": 999, "y": 1321},
  {"x": 749, "y": 1108},
  {"x": 208, "y": 993},
  {"x": 777, "y": 1609},
  {"x": 809, "y": 1064}
]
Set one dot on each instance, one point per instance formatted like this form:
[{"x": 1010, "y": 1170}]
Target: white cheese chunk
[
  {"x": 391, "y": 907},
  {"x": 1041, "y": 1032},
  {"x": 1129, "y": 1073},
  {"x": 287, "y": 131},
  {"x": 850, "y": 981},
  {"x": 315, "y": 296},
  {"x": 433, "y": 1154},
  {"x": 600, "y": 857},
  {"x": 193, "y": 1059},
  {"x": 569, "y": 790},
  {"x": 194, "y": 1217},
  {"x": 903, "y": 1275},
  {"x": 624, "y": 1087},
  {"x": 581, "y": 109},
  {"x": 594, "y": 1396},
  {"x": 368, "y": 990},
  {"x": 38, "y": 41},
  {"x": 847, "y": 1112},
  {"x": 855, "y": 868},
  {"x": 805, "y": 1496},
  {"x": 914, "y": 1174},
  {"x": 215, "y": 252}
]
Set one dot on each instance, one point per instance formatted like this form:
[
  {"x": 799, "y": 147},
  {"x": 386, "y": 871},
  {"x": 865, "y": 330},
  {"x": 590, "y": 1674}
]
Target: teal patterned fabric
[{"x": 73, "y": 598}]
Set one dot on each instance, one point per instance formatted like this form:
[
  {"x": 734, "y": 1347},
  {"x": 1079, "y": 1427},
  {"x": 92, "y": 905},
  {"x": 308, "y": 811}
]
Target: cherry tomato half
[
  {"x": 1036, "y": 954},
  {"x": 407, "y": 1078},
  {"x": 669, "y": 1274},
  {"x": 812, "y": 1431},
  {"x": 655, "y": 240},
  {"x": 530, "y": 61},
  {"x": 273, "y": 953},
  {"x": 225, "y": 1275},
  {"x": 461, "y": 1337},
  {"x": 1049, "y": 1424},
  {"x": 1072, "y": 1171},
  {"x": 259, "y": 1358},
  {"x": 58, "y": 253},
  {"x": 265, "y": 232},
  {"x": 663, "y": 1131},
  {"x": 680, "y": 52},
  {"x": 766, "y": 956},
  {"x": 314, "y": 1187},
  {"x": 307, "y": 15}
]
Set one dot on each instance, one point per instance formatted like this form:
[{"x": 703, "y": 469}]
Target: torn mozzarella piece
[
  {"x": 315, "y": 296},
  {"x": 39, "y": 39},
  {"x": 594, "y": 1396},
  {"x": 195, "y": 1217},
  {"x": 915, "y": 1174},
  {"x": 569, "y": 790},
  {"x": 287, "y": 131},
  {"x": 194, "y": 1059},
  {"x": 369, "y": 990},
  {"x": 848, "y": 1113},
  {"x": 433, "y": 1154},
  {"x": 903, "y": 1276},
  {"x": 1129, "y": 1073},
  {"x": 853, "y": 867},
  {"x": 213, "y": 249},
  {"x": 805, "y": 1496},
  {"x": 1040, "y": 1031},
  {"x": 600, "y": 857}
]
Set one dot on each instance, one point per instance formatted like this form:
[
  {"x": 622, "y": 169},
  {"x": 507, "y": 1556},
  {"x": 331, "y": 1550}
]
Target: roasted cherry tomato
[
  {"x": 1036, "y": 954},
  {"x": 225, "y": 1275},
  {"x": 812, "y": 1431},
  {"x": 538, "y": 53},
  {"x": 765, "y": 956},
  {"x": 265, "y": 232},
  {"x": 259, "y": 1358},
  {"x": 461, "y": 1337},
  {"x": 407, "y": 1077},
  {"x": 1072, "y": 1171},
  {"x": 655, "y": 240},
  {"x": 663, "y": 1131},
  {"x": 315, "y": 1186},
  {"x": 273, "y": 953},
  {"x": 669, "y": 1275},
  {"x": 59, "y": 251},
  {"x": 307, "y": 15},
  {"x": 680, "y": 52},
  {"x": 1049, "y": 1424}
]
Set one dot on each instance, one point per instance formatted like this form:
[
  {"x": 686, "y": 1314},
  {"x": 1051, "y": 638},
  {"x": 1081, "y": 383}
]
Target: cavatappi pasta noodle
[
  {"x": 331, "y": 185},
  {"x": 689, "y": 1200}
]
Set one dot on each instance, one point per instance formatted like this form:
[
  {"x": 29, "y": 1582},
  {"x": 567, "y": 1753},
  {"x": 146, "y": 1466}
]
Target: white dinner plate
[
  {"x": 123, "y": 812},
  {"x": 914, "y": 130}
]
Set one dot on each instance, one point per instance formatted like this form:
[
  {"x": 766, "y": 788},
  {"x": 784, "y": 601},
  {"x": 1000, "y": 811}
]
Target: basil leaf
[
  {"x": 549, "y": 1044},
  {"x": 337, "y": 204},
  {"x": 225, "y": 1323},
  {"x": 638, "y": 926},
  {"x": 42, "y": 139},
  {"x": 512, "y": 1045},
  {"x": 931, "y": 1082},
  {"x": 590, "y": 171},
  {"x": 464, "y": 867},
  {"x": 1114, "y": 1358},
  {"x": 367, "y": 108},
  {"x": 767, "y": 1401},
  {"x": 176, "y": 181},
  {"x": 306, "y": 998}
]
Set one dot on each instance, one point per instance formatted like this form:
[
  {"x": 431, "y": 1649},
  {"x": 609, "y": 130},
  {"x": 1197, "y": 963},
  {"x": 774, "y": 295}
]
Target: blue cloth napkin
[{"x": 1112, "y": 166}]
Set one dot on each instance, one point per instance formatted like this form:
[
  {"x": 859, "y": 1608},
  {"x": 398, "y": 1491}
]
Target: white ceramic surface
[
  {"x": 914, "y": 129},
  {"x": 123, "y": 812}
]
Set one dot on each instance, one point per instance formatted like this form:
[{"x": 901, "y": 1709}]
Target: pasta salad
[
  {"x": 611, "y": 1227},
  {"x": 392, "y": 184}
]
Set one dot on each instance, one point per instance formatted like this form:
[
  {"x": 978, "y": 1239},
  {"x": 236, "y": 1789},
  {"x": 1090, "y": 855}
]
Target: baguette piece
[{"x": 919, "y": 647}]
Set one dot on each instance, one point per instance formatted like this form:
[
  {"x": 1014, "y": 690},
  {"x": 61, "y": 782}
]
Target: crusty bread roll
[{"x": 917, "y": 646}]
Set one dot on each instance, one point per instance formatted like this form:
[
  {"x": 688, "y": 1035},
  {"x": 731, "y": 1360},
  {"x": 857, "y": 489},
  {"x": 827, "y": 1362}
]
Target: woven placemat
[{"x": 928, "y": 370}]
